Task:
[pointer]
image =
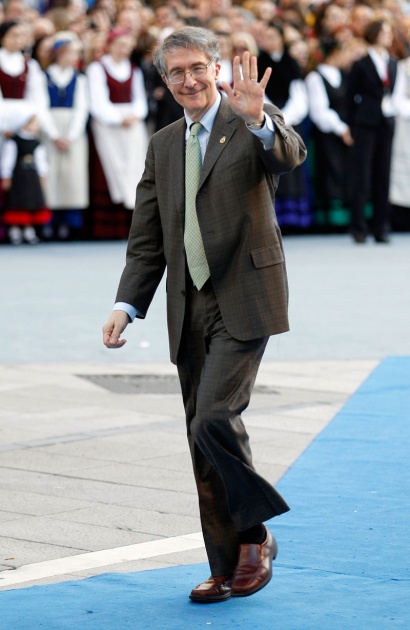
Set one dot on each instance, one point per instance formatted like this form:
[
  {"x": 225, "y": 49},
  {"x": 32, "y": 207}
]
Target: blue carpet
[{"x": 343, "y": 549}]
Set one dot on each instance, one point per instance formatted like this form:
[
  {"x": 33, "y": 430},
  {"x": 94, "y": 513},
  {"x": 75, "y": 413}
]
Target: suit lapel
[
  {"x": 391, "y": 70},
  {"x": 372, "y": 69},
  {"x": 177, "y": 164}
]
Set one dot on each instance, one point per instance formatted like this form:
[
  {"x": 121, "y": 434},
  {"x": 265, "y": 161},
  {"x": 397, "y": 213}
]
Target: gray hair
[{"x": 192, "y": 37}]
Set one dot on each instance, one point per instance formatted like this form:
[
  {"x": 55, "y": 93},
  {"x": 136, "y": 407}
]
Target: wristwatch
[{"x": 255, "y": 125}]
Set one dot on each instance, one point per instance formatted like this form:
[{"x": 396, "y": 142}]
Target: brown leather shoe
[
  {"x": 254, "y": 568},
  {"x": 216, "y": 589}
]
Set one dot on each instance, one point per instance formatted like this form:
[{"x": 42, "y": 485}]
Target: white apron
[
  {"x": 67, "y": 180},
  {"x": 122, "y": 153}
]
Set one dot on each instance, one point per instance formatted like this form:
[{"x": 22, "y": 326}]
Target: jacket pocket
[{"x": 267, "y": 256}]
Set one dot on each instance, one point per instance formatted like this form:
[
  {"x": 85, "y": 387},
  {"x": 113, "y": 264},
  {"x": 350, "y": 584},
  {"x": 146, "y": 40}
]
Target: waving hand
[{"x": 246, "y": 98}]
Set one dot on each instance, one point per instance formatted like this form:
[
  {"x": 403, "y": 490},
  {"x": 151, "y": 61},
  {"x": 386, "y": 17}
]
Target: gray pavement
[
  {"x": 94, "y": 479},
  {"x": 346, "y": 301}
]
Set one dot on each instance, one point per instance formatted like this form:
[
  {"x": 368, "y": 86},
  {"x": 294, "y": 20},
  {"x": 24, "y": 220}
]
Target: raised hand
[{"x": 246, "y": 98}]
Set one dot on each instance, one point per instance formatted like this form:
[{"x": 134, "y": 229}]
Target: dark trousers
[
  {"x": 370, "y": 176},
  {"x": 217, "y": 374}
]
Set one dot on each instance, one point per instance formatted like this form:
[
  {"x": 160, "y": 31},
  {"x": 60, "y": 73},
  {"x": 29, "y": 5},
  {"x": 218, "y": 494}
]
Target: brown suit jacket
[{"x": 235, "y": 206}]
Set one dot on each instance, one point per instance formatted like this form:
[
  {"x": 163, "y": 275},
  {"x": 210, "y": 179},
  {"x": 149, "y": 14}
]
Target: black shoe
[
  {"x": 359, "y": 237},
  {"x": 382, "y": 238}
]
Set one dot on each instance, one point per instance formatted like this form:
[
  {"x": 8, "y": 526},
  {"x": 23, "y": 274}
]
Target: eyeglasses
[{"x": 196, "y": 73}]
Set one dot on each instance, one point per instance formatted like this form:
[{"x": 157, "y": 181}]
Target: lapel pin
[{"x": 222, "y": 140}]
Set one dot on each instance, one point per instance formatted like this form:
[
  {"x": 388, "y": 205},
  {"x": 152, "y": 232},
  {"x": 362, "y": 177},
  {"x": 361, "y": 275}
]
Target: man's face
[{"x": 196, "y": 96}]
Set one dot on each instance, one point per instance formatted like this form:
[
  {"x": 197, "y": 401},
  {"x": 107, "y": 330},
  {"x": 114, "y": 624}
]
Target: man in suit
[
  {"x": 371, "y": 116},
  {"x": 219, "y": 321}
]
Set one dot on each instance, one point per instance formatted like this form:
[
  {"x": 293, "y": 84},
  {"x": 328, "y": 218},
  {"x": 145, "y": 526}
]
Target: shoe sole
[
  {"x": 210, "y": 600},
  {"x": 264, "y": 583}
]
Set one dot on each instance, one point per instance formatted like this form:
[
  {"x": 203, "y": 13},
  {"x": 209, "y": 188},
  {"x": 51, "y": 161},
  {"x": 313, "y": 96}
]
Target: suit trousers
[
  {"x": 370, "y": 180},
  {"x": 217, "y": 374}
]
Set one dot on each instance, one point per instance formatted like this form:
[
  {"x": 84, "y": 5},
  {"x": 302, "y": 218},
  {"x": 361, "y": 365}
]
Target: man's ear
[
  {"x": 164, "y": 78},
  {"x": 217, "y": 69}
]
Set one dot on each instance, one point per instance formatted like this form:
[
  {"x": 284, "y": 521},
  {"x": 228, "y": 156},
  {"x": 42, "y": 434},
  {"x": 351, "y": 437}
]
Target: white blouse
[
  {"x": 81, "y": 105},
  {"x": 326, "y": 119},
  {"x": 226, "y": 72},
  {"x": 9, "y": 157},
  {"x": 296, "y": 107},
  {"x": 101, "y": 107},
  {"x": 401, "y": 92},
  {"x": 13, "y": 64}
]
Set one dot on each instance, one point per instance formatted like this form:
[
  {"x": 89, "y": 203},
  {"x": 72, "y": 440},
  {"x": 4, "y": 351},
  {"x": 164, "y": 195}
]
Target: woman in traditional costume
[
  {"x": 23, "y": 168},
  {"x": 65, "y": 136},
  {"x": 118, "y": 109},
  {"x": 327, "y": 92},
  {"x": 21, "y": 78},
  {"x": 286, "y": 90},
  {"x": 21, "y": 86}
]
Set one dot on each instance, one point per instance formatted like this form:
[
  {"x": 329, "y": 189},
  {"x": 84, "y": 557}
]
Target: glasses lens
[
  {"x": 199, "y": 71},
  {"x": 176, "y": 77}
]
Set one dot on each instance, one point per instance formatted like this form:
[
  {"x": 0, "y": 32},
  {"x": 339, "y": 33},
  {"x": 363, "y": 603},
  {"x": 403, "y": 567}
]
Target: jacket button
[{"x": 183, "y": 292}]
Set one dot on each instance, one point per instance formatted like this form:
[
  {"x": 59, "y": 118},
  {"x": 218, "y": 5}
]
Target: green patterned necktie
[{"x": 194, "y": 247}]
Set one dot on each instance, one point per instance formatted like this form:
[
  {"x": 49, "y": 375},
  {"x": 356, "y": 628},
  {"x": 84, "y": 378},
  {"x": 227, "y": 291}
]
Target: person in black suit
[{"x": 371, "y": 118}]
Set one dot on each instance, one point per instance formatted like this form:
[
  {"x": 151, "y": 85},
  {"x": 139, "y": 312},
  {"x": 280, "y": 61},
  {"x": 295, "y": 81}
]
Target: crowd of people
[{"x": 80, "y": 97}]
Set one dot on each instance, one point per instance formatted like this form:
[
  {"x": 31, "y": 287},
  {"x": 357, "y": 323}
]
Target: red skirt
[
  {"x": 17, "y": 216},
  {"x": 105, "y": 220}
]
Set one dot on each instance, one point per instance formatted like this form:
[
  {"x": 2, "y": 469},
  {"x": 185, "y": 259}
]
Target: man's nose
[{"x": 189, "y": 80}]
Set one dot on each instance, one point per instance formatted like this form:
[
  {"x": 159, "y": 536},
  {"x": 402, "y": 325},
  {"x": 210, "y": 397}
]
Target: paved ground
[
  {"x": 346, "y": 301},
  {"x": 92, "y": 479}
]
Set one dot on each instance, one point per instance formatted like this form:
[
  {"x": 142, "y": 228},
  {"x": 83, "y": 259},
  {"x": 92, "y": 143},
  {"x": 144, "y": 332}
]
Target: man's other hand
[{"x": 112, "y": 329}]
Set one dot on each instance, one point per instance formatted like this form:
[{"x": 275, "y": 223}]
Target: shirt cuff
[
  {"x": 266, "y": 133},
  {"x": 341, "y": 128},
  {"x": 131, "y": 311}
]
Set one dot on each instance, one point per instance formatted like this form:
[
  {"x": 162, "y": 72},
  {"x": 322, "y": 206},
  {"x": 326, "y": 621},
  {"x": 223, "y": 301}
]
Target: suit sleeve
[
  {"x": 288, "y": 151},
  {"x": 145, "y": 260}
]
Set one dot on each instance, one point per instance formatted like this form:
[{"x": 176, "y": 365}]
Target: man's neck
[
  {"x": 206, "y": 117},
  {"x": 197, "y": 116}
]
